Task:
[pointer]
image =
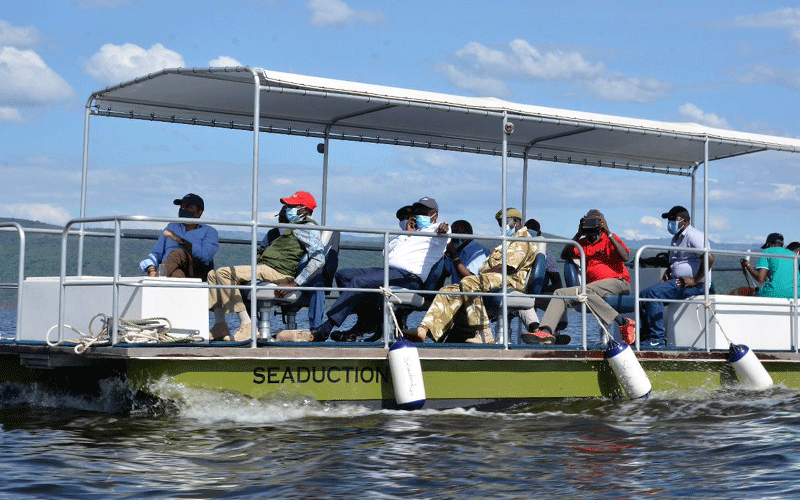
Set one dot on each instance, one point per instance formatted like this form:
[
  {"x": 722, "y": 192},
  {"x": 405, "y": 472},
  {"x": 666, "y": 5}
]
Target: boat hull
[{"x": 453, "y": 377}]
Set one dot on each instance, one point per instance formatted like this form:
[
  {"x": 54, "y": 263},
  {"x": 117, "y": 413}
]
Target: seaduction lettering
[{"x": 318, "y": 375}]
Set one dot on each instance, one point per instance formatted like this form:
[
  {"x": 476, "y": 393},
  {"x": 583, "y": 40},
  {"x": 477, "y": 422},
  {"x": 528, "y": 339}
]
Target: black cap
[
  {"x": 676, "y": 211},
  {"x": 190, "y": 199},
  {"x": 426, "y": 203},
  {"x": 405, "y": 212},
  {"x": 773, "y": 238}
]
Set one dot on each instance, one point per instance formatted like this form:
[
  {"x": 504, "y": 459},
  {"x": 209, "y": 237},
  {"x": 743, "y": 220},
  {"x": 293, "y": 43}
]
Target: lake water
[{"x": 704, "y": 444}]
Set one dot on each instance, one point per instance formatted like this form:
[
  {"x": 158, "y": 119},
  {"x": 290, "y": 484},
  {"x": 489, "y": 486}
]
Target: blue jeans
[
  {"x": 654, "y": 311},
  {"x": 370, "y": 277}
]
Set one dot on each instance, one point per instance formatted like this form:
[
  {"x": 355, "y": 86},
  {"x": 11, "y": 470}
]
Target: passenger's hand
[
  {"x": 604, "y": 227},
  {"x": 282, "y": 293},
  {"x": 169, "y": 234},
  {"x": 451, "y": 250},
  {"x": 687, "y": 282},
  {"x": 443, "y": 228}
]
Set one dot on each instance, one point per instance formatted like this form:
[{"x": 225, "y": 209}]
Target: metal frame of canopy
[{"x": 258, "y": 100}]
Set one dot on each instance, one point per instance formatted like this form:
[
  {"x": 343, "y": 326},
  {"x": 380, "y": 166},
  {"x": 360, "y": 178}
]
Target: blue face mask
[
  {"x": 673, "y": 227},
  {"x": 423, "y": 221},
  {"x": 510, "y": 230},
  {"x": 291, "y": 215}
]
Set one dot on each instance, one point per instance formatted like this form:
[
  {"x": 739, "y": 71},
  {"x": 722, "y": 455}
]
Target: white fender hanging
[
  {"x": 409, "y": 387},
  {"x": 627, "y": 369},
  {"x": 749, "y": 370}
]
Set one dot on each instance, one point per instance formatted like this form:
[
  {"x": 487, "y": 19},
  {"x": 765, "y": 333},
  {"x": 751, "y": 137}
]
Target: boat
[{"x": 264, "y": 102}]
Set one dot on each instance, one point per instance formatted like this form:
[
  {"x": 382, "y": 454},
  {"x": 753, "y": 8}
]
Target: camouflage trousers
[{"x": 468, "y": 308}]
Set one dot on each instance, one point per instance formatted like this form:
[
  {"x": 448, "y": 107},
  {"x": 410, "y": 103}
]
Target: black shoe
[
  {"x": 344, "y": 336},
  {"x": 322, "y": 332}
]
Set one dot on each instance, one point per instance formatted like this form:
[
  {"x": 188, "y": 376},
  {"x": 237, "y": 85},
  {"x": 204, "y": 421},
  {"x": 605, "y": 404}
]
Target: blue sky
[{"x": 725, "y": 64}]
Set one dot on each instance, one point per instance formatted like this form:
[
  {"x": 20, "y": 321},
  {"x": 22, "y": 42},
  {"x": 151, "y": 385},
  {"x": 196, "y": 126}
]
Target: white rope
[
  {"x": 707, "y": 305},
  {"x": 131, "y": 331},
  {"x": 389, "y": 294},
  {"x": 583, "y": 297}
]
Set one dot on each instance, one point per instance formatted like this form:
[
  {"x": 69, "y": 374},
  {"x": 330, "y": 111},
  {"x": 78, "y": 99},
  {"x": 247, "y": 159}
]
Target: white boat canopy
[{"x": 320, "y": 107}]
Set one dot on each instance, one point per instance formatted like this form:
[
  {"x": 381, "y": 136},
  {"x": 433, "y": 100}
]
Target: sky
[{"x": 732, "y": 65}]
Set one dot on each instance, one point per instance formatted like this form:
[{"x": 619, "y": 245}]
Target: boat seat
[
  {"x": 296, "y": 300},
  {"x": 623, "y": 304},
  {"x": 519, "y": 301}
]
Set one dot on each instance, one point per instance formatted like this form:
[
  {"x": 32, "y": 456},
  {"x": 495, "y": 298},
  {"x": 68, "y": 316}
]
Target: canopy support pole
[
  {"x": 254, "y": 213},
  {"x": 84, "y": 175}
]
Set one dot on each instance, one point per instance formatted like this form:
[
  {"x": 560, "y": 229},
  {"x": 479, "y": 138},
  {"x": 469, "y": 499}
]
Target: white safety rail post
[{"x": 20, "y": 272}]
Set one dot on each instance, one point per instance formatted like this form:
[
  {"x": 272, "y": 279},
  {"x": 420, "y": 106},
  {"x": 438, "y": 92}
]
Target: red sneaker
[
  {"x": 539, "y": 337},
  {"x": 628, "y": 331}
]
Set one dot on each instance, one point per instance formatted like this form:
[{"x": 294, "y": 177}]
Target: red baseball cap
[{"x": 301, "y": 198}]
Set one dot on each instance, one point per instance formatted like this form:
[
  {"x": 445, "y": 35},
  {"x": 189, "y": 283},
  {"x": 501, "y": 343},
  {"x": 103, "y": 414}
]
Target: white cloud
[
  {"x": 18, "y": 36},
  {"x": 786, "y": 17},
  {"x": 719, "y": 223},
  {"x": 25, "y": 79},
  {"x": 772, "y": 74},
  {"x": 119, "y": 63},
  {"x": 481, "y": 68},
  {"x": 485, "y": 85},
  {"x": 38, "y": 212},
  {"x": 326, "y": 13},
  {"x": 692, "y": 112},
  {"x": 223, "y": 61},
  {"x": 786, "y": 192},
  {"x": 651, "y": 221},
  {"x": 620, "y": 88},
  {"x": 8, "y": 114}
]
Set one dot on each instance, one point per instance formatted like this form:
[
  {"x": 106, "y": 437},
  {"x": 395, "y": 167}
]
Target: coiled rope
[{"x": 131, "y": 331}]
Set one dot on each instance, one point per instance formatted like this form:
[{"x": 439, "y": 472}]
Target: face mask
[
  {"x": 673, "y": 227},
  {"x": 185, "y": 213},
  {"x": 291, "y": 215},
  {"x": 510, "y": 230},
  {"x": 423, "y": 221},
  {"x": 404, "y": 224}
]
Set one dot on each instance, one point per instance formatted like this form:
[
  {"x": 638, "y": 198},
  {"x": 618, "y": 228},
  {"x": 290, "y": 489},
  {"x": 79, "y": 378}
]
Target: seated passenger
[
  {"x": 777, "y": 275},
  {"x": 369, "y": 311},
  {"x": 185, "y": 250},
  {"x": 464, "y": 257},
  {"x": 277, "y": 264},
  {"x": 410, "y": 259},
  {"x": 529, "y": 317},
  {"x": 606, "y": 274},
  {"x": 442, "y": 313},
  {"x": 685, "y": 276}
]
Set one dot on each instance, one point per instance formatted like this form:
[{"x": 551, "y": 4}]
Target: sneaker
[
  {"x": 344, "y": 336},
  {"x": 539, "y": 337},
  {"x": 483, "y": 336},
  {"x": 417, "y": 335},
  {"x": 628, "y": 331},
  {"x": 654, "y": 343},
  {"x": 243, "y": 333},
  {"x": 318, "y": 335}
]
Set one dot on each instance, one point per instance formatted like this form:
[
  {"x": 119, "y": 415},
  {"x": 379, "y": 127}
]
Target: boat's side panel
[{"x": 369, "y": 379}]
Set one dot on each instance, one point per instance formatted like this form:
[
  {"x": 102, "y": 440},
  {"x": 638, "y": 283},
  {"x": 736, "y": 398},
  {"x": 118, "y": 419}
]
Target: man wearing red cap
[{"x": 278, "y": 264}]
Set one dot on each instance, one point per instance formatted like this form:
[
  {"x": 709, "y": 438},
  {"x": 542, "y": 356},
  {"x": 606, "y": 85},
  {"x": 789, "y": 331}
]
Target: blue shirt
[
  {"x": 204, "y": 240},
  {"x": 472, "y": 256}
]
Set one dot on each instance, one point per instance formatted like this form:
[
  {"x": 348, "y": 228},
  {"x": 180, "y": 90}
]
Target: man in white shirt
[{"x": 410, "y": 260}]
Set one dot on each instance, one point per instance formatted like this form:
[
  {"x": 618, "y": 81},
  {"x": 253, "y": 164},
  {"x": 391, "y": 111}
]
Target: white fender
[
  {"x": 627, "y": 369},
  {"x": 749, "y": 370},
  {"x": 409, "y": 387}
]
